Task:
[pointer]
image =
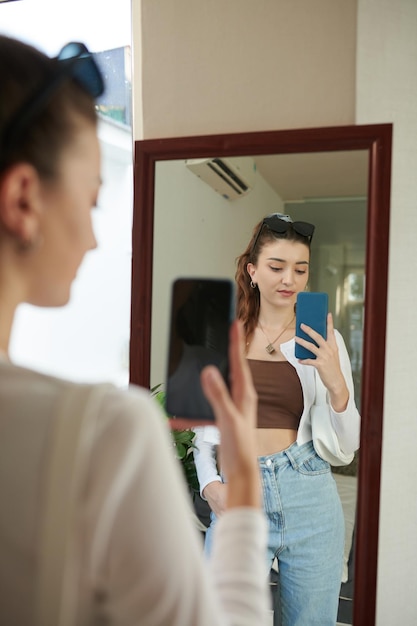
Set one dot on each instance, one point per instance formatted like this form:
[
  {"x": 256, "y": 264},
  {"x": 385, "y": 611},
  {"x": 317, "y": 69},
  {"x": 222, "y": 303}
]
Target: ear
[
  {"x": 250, "y": 268},
  {"x": 19, "y": 202}
]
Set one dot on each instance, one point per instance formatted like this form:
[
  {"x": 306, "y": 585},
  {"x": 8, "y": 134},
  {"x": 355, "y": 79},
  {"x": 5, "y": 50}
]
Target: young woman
[
  {"x": 84, "y": 533},
  {"x": 306, "y": 528}
]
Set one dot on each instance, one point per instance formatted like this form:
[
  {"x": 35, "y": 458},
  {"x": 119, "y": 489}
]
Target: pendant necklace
[{"x": 270, "y": 347}]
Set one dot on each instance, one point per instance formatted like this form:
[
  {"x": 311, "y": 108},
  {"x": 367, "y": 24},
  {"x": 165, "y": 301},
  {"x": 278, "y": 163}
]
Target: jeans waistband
[{"x": 295, "y": 454}]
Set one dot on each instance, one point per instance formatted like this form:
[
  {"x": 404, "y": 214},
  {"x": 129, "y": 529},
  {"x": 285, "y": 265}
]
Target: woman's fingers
[
  {"x": 235, "y": 413},
  {"x": 216, "y": 391},
  {"x": 318, "y": 341},
  {"x": 315, "y": 335}
]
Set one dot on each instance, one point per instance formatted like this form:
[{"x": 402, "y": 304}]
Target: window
[{"x": 88, "y": 340}]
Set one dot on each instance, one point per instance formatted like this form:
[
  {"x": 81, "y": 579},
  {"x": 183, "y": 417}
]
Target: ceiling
[
  {"x": 316, "y": 175},
  {"x": 328, "y": 189}
]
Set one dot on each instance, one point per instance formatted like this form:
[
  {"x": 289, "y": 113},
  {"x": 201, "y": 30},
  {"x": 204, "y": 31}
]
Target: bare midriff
[{"x": 272, "y": 440}]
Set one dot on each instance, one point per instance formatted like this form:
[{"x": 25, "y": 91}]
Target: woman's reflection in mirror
[{"x": 306, "y": 526}]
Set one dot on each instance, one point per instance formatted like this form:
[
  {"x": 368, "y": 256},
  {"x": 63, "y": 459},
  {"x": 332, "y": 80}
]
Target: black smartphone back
[
  {"x": 202, "y": 310},
  {"x": 311, "y": 309}
]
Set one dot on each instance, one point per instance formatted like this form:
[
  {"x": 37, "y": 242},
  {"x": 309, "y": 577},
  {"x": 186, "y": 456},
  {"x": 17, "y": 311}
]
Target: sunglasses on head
[
  {"x": 74, "y": 62},
  {"x": 281, "y": 226}
]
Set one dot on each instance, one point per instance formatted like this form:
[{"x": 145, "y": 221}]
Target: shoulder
[
  {"x": 26, "y": 391},
  {"x": 129, "y": 414},
  {"x": 130, "y": 434}
]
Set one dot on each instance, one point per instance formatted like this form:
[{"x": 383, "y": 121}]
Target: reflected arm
[{"x": 206, "y": 439}]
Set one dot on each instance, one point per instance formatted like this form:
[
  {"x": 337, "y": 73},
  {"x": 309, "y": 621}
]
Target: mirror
[{"x": 369, "y": 149}]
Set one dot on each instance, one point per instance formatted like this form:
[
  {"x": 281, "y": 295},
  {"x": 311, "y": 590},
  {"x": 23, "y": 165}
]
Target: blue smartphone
[
  {"x": 202, "y": 310},
  {"x": 311, "y": 309}
]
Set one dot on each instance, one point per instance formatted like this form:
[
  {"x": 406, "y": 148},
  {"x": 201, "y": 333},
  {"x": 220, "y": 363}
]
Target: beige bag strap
[{"x": 69, "y": 452}]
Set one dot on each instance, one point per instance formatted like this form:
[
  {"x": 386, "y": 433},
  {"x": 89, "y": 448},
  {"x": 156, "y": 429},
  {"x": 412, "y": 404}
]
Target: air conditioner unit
[{"x": 231, "y": 177}]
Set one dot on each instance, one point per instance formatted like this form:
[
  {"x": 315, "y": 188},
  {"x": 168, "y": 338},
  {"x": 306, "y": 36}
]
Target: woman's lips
[{"x": 286, "y": 294}]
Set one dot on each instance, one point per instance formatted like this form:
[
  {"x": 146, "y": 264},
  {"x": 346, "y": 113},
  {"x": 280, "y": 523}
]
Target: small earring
[
  {"x": 26, "y": 246},
  {"x": 253, "y": 285}
]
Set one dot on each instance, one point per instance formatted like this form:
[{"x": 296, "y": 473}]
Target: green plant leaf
[
  {"x": 181, "y": 451},
  {"x": 184, "y": 436},
  {"x": 183, "y": 441}
]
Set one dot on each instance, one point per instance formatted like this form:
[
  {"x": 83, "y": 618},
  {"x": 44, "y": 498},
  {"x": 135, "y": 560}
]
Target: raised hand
[
  {"x": 327, "y": 363},
  {"x": 235, "y": 414}
]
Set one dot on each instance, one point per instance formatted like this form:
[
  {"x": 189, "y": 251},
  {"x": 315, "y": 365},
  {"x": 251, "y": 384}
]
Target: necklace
[{"x": 270, "y": 347}]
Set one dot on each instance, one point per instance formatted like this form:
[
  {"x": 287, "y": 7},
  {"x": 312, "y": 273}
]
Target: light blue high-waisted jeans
[{"x": 306, "y": 534}]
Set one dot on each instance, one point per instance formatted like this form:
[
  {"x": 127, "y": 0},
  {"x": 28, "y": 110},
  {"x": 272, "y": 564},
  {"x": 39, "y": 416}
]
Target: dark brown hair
[
  {"x": 23, "y": 70},
  {"x": 248, "y": 298}
]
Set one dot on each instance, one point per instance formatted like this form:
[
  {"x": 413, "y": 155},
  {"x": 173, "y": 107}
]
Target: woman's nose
[{"x": 287, "y": 277}]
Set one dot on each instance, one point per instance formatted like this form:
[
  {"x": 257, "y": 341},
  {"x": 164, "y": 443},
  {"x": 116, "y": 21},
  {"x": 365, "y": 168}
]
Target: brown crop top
[{"x": 280, "y": 396}]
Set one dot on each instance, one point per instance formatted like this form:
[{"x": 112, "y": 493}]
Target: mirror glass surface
[
  {"x": 199, "y": 232},
  {"x": 336, "y": 178}
]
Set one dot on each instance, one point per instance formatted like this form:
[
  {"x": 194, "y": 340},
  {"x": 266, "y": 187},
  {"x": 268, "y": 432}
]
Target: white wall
[
  {"x": 387, "y": 92},
  {"x": 49, "y": 24},
  {"x": 89, "y": 338},
  {"x": 213, "y": 67},
  {"x": 242, "y": 65}
]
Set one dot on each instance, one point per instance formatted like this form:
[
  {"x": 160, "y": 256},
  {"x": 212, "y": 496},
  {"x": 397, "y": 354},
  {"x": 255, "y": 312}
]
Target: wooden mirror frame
[{"x": 376, "y": 139}]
